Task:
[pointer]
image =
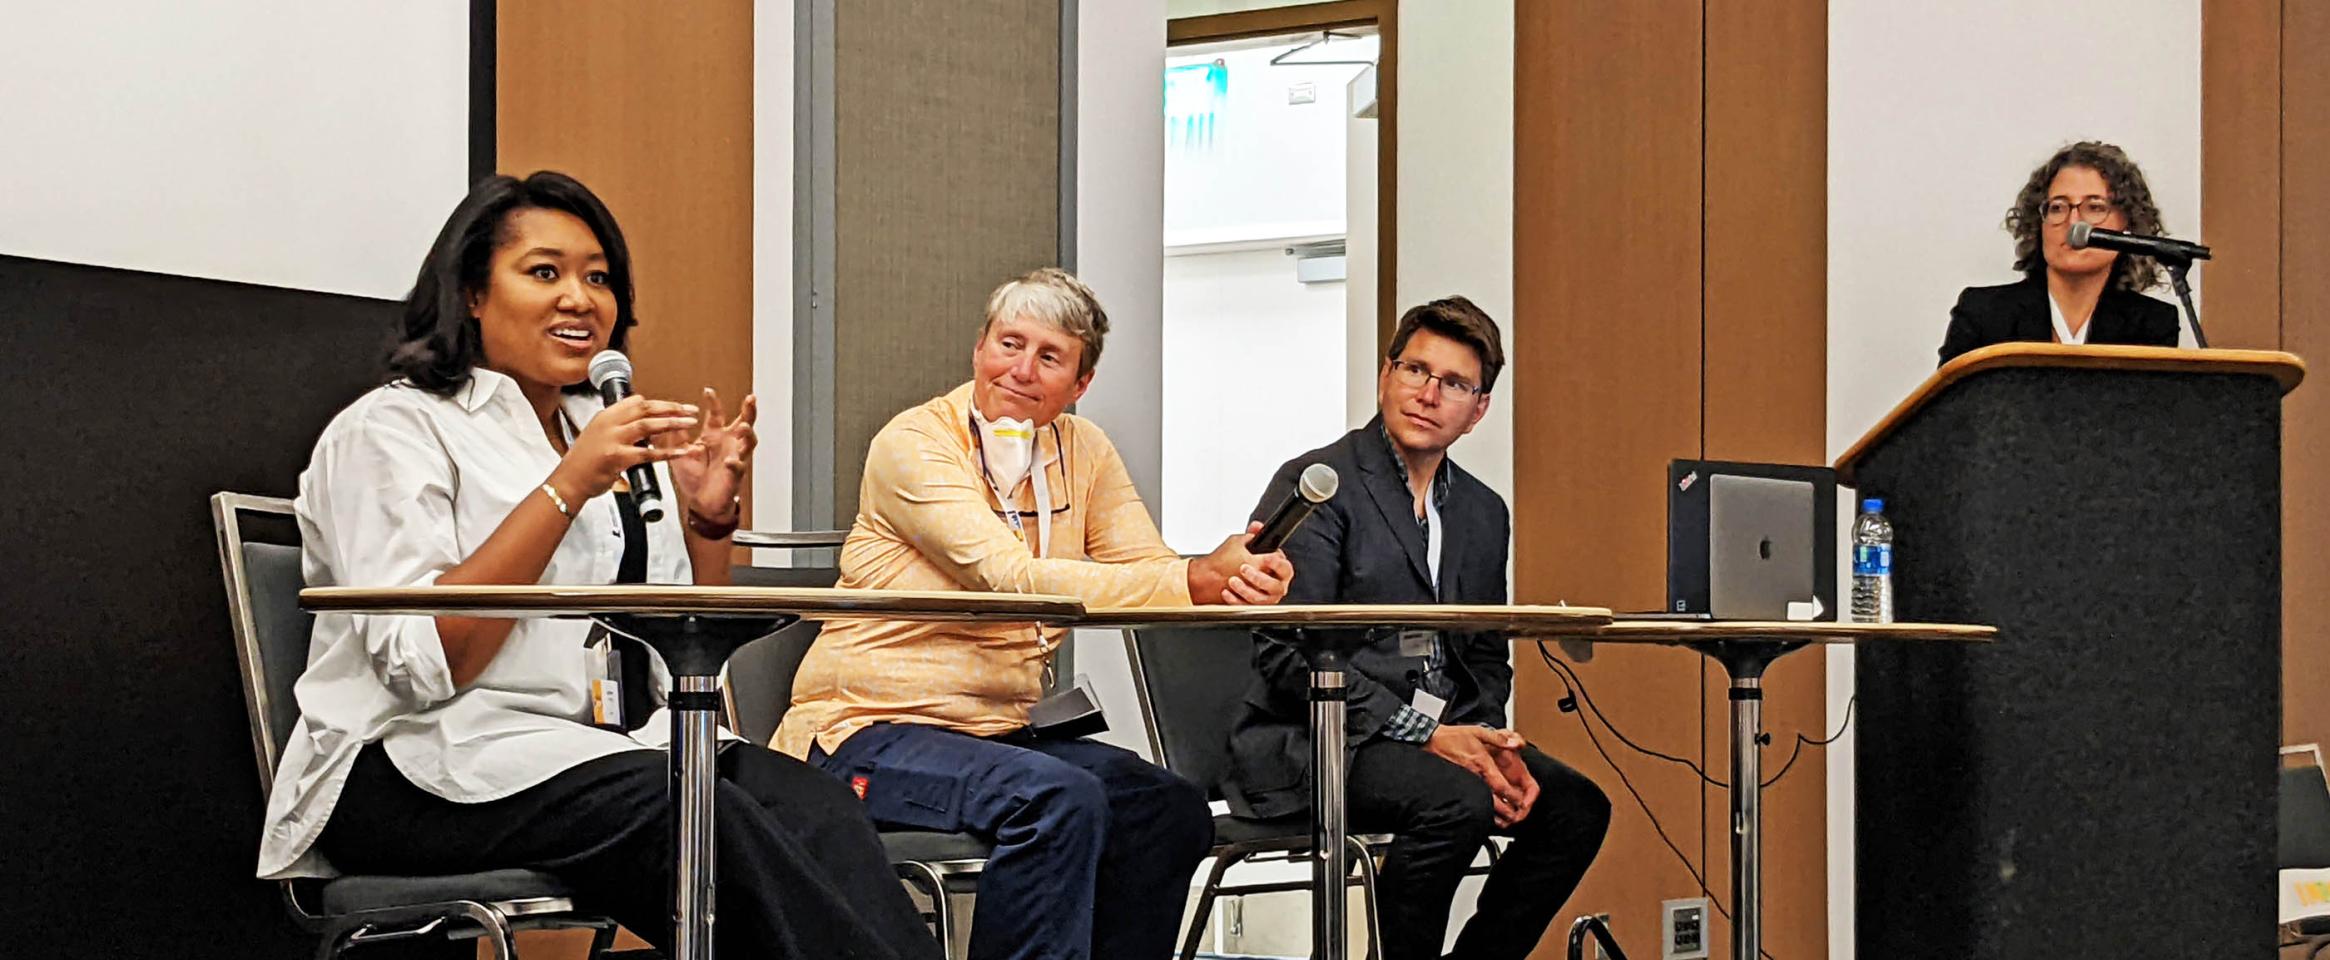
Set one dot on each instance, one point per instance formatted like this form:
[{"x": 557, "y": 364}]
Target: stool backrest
[
  {"x": 759, "y": 675},
  {"x": 1192, "y": 682},
  {"x": 2304, "y": 814},
  {"x": 760, "y": 679},
  {"x": 271, "y": 631}
]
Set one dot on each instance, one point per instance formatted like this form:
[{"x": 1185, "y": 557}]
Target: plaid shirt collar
[{"x": 1400, "y": 465}]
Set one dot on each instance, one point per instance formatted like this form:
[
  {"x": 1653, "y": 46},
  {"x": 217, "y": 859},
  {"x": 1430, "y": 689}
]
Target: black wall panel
[{"x": 128, "y": 792}]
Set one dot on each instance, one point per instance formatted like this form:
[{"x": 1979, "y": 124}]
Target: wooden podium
[{"x": 2099, "y": 782}]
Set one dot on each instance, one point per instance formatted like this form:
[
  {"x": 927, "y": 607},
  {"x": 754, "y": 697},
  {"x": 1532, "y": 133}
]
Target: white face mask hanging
[
  {"x": 1007, "y": 451},
  {"x": 1009, "y": 448}
]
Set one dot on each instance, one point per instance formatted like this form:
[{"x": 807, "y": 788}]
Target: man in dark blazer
[
  {"x": 2020, "y": 311},
  {"x": 1431, "y": 760}
]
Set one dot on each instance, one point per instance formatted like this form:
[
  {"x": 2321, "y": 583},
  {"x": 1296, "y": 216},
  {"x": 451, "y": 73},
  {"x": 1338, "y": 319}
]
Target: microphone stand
[{"x": 2177, "y": 267}]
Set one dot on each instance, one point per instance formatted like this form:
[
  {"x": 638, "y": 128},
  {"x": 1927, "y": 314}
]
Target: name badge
[
  {"x": 604, "y": 664},
  {"x": 607, "y": 704}
]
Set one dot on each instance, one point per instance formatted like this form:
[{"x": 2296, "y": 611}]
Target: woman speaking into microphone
[
  {"x": 2070, "y": 295},
  {"x": 438, "y": 745}
]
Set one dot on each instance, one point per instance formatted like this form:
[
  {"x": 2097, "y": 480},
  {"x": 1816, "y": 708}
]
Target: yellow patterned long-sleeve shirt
[{"x": 928, "y": 520}]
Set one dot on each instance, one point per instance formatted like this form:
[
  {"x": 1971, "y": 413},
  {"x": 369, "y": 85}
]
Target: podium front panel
[{"x": 2100, "y": 781}]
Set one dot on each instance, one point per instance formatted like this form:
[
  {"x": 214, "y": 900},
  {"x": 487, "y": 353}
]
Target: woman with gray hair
[
  {"x": 2068, "y": 295},
  {"x": 994, "y": 486}
]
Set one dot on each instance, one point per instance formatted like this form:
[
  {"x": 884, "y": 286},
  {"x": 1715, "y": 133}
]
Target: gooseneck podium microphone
[
  {"x": 611, "y": 375},
  {"x": 2084, "y": 234},
  {"x": 1315, "y": 486},
  {"x": 2176, "y": 255}
]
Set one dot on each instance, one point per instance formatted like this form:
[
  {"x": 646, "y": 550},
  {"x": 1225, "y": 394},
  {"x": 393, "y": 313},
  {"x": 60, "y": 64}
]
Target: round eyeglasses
[{"x": 2094, "y": 210}]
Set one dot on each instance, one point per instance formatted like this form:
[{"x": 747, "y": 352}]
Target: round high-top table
[
  {"x": 694, "y": 629},
  {"x": 1745, "y": 648},
  {"x": 1326, "y": 635}
]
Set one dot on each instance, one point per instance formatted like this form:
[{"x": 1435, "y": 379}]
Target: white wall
[
  {"x": 1936, "y": 117},
  {"x": 772, "y": 269},
  {"x": 1247, "y": 171},
  {"x": 1455, "y": 190},
  {"x": 1120, "y": 249},
  {"x": 314, "y": 146},
  {"x": 1248, "y": 163},
  {"x": 1363, "y": 244},
  {"x": 1238, "y": 326},
  {"x": 1120, "y": 212},
  {"x": 1200, "y": 8},
  {"x": 1937, "y": 114}
]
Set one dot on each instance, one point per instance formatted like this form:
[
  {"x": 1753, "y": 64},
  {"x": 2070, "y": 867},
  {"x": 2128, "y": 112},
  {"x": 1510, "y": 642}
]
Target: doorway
[{"x": 1274, "y": 186}]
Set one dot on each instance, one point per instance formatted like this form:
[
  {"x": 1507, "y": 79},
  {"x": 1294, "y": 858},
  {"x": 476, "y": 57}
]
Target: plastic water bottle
[{"x": 1872, "y": 564}]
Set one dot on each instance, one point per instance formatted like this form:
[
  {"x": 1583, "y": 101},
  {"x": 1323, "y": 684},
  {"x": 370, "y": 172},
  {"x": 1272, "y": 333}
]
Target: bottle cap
[{"x": 1873, "y": 505}]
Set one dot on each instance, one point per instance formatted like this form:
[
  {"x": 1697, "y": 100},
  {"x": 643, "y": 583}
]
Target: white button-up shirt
[
  {"x": 2063, "y": 332},
  {"x": 403, "y": 485}
]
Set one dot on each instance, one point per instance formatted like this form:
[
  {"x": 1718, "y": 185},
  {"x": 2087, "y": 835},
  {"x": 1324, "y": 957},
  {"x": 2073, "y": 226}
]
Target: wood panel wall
[
  {"x": 651, "y": 106},
  {"x": 2305, "y": 331},
  {"x": 1765, "y": 392},
  {"x": 2265, "y": 197},
  {"x": 1670, "y": 295}
]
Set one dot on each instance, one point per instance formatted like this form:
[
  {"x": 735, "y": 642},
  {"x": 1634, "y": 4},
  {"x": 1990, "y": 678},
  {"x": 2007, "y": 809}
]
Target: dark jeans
[
  {"x": 800, "y": 872},
  {"x": 1094, "y": 847},
  {"x": 1441, "y": 815}
]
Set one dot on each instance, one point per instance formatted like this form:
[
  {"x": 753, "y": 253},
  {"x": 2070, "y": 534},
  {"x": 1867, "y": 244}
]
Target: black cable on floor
[{"x": 1575, "y": 690}]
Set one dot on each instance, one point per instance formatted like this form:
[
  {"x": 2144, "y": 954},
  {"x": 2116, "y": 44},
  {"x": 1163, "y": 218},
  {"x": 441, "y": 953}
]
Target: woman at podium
[
  {"x": 2072, "y": 295},
  {"x": 450, "y": 745}
]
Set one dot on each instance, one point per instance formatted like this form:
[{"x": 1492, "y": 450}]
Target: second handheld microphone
[{"x": 1315, "y": 486}]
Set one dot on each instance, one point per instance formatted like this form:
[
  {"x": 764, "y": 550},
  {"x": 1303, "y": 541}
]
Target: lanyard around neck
[{"x": 1043, "y": 490}]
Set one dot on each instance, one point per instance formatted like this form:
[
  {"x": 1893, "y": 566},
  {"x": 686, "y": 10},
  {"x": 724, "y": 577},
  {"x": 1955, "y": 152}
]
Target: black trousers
[
  {"x": 1441, "y": 814},
  {"x": 800, "y": 872}
]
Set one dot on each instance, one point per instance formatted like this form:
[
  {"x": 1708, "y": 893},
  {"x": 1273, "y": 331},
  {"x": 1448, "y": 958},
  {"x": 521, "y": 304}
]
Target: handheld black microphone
[
  {"x": 1314, "y": 487},
  {"x": 2085, "y": 234},
  {"x": 611, "y": 374}
]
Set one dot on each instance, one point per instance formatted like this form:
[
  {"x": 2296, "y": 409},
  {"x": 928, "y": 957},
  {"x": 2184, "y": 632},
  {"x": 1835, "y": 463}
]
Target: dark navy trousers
[{"x": 1094, "y": 847}]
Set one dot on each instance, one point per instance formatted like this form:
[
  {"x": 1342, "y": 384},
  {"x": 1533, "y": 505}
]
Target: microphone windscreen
[
  {"x": 609, "y": 364},
  {"x": 2081, "y": 231},
  {"x": 1318, "y": 483}
]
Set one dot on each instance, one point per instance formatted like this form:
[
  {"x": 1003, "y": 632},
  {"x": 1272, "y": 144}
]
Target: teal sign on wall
[{"x": 1194, "y": 97}]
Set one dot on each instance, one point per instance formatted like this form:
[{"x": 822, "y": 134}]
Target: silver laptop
[{"x": 1760, "y": 551}]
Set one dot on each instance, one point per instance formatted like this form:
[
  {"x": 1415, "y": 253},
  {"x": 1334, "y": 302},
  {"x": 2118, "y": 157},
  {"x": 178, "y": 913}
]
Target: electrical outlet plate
[{"x": 1683, "y": 929}]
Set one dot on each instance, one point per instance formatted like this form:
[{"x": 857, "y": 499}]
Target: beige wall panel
[{"x": 946, "y": 182}]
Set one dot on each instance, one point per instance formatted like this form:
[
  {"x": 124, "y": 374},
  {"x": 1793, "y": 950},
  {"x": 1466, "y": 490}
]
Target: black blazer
[
  {"x": 1364, "y": 546},
  {"x": 2014, "y": 312}
]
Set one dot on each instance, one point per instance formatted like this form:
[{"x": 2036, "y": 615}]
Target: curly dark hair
[
  {"x": 2128, "y": 192},
  {"x": 437, "y": 340}
]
